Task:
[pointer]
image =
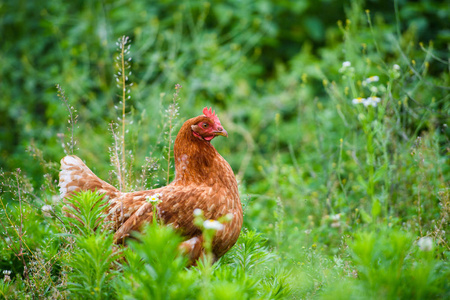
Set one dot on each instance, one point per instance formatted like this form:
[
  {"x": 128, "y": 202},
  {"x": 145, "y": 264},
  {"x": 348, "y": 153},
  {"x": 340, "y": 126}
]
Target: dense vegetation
[{"x": 337, "y": 114}]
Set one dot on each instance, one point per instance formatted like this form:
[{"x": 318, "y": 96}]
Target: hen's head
[{"x": 208, "y": 126}]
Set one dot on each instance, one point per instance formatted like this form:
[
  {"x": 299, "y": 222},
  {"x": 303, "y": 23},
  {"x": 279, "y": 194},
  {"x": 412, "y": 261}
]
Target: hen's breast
[{"x": 215, "y": 194}]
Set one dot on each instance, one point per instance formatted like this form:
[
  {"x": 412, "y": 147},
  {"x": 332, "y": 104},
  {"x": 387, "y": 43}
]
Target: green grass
[{"x": 342, "y": 200}]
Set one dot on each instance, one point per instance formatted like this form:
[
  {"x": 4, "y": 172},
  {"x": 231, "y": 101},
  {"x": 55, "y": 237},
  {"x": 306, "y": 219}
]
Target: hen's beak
[{"x": 221, "y": 131}]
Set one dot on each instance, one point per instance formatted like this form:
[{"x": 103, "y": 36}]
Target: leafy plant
[
  {"x": 84, "y": 212},
  {"x": 155, "y": 268},
  {"x": 90, "y": 268}
]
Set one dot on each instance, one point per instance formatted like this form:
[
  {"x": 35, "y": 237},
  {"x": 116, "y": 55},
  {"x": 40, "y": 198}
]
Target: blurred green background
[{"x": 245, "y": 58}]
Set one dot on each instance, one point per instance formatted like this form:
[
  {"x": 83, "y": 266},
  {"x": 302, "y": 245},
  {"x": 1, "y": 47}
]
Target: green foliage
[
  {"x": 390, "y": 265},
  {"x": 249, "y": 253},
  {"x": 84, "y": 212},
  {"x": 90, "y": 267},
  {"x": 338, "y": 124},
  {"x": 155, "y": 268}
]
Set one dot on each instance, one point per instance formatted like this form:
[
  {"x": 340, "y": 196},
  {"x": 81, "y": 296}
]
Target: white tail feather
[{"x": 76, "y": 176}]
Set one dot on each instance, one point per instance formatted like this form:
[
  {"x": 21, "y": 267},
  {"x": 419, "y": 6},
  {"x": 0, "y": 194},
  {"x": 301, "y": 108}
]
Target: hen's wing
[
  {"x": 176, "y": 207},
  {"x": 177, "y": 210}
]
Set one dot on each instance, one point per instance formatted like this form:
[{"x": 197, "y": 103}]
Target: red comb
[{"x": 211, "y": 114}]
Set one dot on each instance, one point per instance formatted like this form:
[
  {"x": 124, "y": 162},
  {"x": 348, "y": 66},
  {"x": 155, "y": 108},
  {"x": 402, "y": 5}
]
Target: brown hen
[{"x": 203, "y": 180}]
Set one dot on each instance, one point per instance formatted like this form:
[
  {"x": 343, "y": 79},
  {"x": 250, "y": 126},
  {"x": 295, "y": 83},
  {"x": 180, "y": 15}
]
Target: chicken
[{"x": 203, "y": 180}]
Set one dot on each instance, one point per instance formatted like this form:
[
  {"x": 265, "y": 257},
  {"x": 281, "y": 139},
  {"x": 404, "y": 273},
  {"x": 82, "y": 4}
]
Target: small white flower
[
  {"x": 335, "y": 224},
  {"x": 346, "y": 64},
  {"x": 396, "y": 67},
  {"x": 372, "y": 101},
  {"x": 369, "y": 103},
  {"x": 213, "y": 224},
  {"x": 373, "y": 89},
  {"x": 425, "y": 243},
  {"x": 154, "y": 198},
  {"x": 308, "y": 231},
  {"x": 6, "y": 272},
  {"x": 46, "y": 210},
  {"x": 358, "y": 100},
  {"x": 335, "y": 218},
  {"x": 372, "y": 79},
  {"x": 197, "y": 212},
  {"x": 346, "y": 67}
]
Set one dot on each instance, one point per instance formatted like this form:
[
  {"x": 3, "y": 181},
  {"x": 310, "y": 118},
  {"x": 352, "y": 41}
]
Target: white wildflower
[
  {"x": 197, "y": 212},
  {"x": 396, "y": 67},
  {"x": 153, "y": 198},
  {"x": 47, "y": 208},
  {"x": 213, "y": 224},
  {"x": 308, "y": 231},
  {"x": 335, "y": 224},
  {"x": 346, "y": 67},
  {"x": 369, "y": 103},
  {"x": 358, "y": 100},
  {"x": 372, "y": 79},
  {"x": 56, "y": 198},
  {"x": 425, "y": 243},
  {"x": 335, "y": 218},
  {"x": 6, "y": 272},
  {"x": 372, "y": 101}
]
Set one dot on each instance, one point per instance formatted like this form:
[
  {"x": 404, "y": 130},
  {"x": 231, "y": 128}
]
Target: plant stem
[
  {"x": 338, "y": 171},
  {"x": 168, "y": 151},
  {"x": 123, "y": 98},
  {"x": 116, "y": 160},
  {"x": 25, "y": 269}
]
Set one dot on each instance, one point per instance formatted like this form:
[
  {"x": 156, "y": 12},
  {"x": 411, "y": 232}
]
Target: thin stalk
[
  {"x": 172, "y": 113},
  {"x": 397, "y": 20},
  {"x": 341, "y": 146},
  {"x": 25, "y": 269},
  {"x": 369, "y": 20},
  {"x": 123, "y": 64},
  {"x": 168, "y": 150},
  {"x": 116, "y": 155},
  {"x": 370, "y": 161},
  {"x": 72, "y": 119},
  {"x": 123, "y": 97}
]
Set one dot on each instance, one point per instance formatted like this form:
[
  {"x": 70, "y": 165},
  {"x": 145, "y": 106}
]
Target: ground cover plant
[{"x": 337, "y": 114}]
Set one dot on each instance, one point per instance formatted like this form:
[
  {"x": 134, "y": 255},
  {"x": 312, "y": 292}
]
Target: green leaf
[{"x": 376, "y": 208}]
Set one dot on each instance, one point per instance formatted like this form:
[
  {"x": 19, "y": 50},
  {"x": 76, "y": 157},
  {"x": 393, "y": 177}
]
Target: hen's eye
[{"x": 205, "y": 125}]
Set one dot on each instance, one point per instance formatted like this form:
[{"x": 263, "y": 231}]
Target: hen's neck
[{"x": 195, "y": 159}]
